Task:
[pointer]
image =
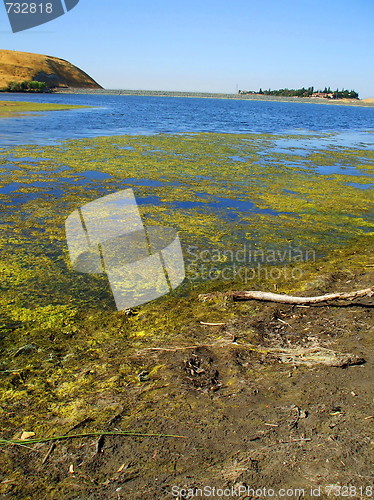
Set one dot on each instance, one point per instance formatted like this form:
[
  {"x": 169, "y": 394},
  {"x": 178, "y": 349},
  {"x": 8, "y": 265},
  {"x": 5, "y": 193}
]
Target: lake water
[
  {"x": 117, "y": 115},
  {"x": 300, "y": 178}
]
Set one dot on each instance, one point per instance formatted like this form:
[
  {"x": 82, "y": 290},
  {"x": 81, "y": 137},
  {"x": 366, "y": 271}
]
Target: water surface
[{"x": 120, "y": 114}]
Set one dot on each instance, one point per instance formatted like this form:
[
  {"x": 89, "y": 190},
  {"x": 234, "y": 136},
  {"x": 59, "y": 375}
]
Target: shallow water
[
  {"x": 117, "y": 115},
  {"x": 265, "y": 188}
]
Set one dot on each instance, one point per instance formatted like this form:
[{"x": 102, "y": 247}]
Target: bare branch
[{"x": 289, "y": 299}]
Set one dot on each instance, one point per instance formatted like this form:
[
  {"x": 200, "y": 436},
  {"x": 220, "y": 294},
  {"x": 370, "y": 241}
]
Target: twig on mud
[
  {"x": 300, "y": 355},
  {"x": 18, "y": 442},
  {"x": 211, "y": 324},
  {"x": 284, "y": 322},
  {"x": 290, "y": 299},
  {"x": 79, "y": 424},
  {"x": 186, "y": 347},
  {"x": 294, "y": 440},
  {"x": 49, "y": 452},
  {"x": 100, "y": 444},
  {"x": 174, "y": 348}
]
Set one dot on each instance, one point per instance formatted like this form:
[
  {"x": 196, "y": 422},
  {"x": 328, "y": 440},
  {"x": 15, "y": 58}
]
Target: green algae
[
  {"x": 80, "y": 361},
  {"x": 194, "y": 186},
  {"x": 14, "y": 108}
]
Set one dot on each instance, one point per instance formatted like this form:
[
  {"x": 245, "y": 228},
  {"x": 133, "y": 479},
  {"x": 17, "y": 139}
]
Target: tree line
[
  {"x": 307, "y": 92},
  {"x": 26, "y": 86}
]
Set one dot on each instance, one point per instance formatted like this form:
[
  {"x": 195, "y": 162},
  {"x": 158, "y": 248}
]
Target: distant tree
[
  {"x": 307, "y": 92},
  {"x": 26, "y": 86},
  {"x": 14, "y": 87},
  {"x": 38, "y": 86}
]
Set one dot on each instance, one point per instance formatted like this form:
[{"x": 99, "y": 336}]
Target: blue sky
[{"x": 206, "y": 45}]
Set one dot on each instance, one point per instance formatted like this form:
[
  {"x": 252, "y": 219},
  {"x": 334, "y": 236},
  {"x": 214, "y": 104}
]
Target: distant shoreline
[{"x": 212, "y": 95}]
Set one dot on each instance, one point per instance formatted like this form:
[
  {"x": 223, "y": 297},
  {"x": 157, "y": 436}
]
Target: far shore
[{"x": 212, "y": 95}]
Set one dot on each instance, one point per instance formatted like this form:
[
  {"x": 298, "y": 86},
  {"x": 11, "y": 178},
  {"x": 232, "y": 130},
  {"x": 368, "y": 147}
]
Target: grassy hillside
[{"x": 20, "y": 66}]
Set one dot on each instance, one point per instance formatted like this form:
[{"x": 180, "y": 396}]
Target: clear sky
[{"x": 211, "y": 45}]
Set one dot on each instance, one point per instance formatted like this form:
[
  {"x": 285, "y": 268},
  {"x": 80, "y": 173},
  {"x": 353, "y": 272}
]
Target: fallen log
[{"x": 290, "y": 299}]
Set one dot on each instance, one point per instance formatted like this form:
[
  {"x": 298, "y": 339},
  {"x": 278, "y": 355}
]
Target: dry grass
[{"x": 20, "y": 66}]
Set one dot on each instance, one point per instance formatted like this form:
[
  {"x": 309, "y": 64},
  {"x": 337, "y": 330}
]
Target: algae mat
[
  {"x": 14, "y": 108},
  {"x": 228, "y": 195},
  {"x": 69, "y": 360},
  {"x": 224, "y": 193}
]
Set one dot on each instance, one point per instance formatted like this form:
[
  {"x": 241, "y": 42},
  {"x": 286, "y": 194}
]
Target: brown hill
[{"x": 20, "y": 66}]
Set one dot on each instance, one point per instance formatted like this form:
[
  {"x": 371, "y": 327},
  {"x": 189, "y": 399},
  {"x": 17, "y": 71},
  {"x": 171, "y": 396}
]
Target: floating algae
[
  {"x": 193, "y": 183},
  {"x": 17, "y": 108}
]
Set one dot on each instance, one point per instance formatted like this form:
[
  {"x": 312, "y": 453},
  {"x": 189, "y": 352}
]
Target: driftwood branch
[{"x": 289, "y": 299}]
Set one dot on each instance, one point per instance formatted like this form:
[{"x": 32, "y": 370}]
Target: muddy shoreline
[{"x": 253, "y": 411}]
